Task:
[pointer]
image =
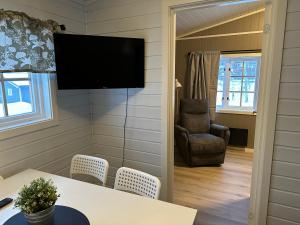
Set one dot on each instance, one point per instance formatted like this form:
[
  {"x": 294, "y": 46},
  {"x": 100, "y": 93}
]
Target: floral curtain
[{"x": 26, "y": 44}]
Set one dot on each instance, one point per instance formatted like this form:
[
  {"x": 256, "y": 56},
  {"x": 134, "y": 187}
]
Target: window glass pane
[
  {"x": 235, "y": 84},
  {"x": 234, "y": 99},
  {"x": 15, "y": 75},
  {"x": 1, "y": 104},
  {"x": 249, "y": 84},
  {"x": 18, "y": 97},
  {"x": 236, "y": 68},
  {"x": 220, "y": 83},
  {"x": 250, "y": 68},
  {"x": 248, "y": 99},
  {"x": 219, "y": 98}
]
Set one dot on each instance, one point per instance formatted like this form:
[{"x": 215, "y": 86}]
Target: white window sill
[
  {"x": 234, "y": 111},
  {"x": 27, "y": 128}
]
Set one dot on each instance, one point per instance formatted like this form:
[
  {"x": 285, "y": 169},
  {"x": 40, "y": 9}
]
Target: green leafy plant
[{"x": 36, "y": 197}]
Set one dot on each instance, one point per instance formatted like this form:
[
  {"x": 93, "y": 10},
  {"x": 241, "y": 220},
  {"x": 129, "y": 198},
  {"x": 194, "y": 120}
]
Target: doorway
[
  {"x": 275, "y": 17},
  {"x": 221, "y": 54}
]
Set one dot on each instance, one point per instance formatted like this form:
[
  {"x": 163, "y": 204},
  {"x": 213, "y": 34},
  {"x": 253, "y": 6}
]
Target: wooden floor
[{"x": 221, "y": 194}]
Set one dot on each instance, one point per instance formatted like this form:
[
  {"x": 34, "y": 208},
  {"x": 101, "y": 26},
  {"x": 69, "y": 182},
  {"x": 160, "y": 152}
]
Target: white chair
[
  {"x": 137, "y": 182},
  {"x": 89, "y": 165},
  {"x": 1, "y": 178}
]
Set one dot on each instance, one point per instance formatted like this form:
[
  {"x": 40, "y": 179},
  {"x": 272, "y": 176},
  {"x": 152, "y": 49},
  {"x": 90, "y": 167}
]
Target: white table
[{"x": 102, "y": 206}]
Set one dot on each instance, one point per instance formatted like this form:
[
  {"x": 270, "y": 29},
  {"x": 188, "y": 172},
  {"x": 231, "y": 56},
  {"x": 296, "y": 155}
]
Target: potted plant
[{"x": 37, "y": 202}]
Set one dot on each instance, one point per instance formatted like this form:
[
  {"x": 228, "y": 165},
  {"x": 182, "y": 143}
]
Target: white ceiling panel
[{"x": 192, "y": 19}]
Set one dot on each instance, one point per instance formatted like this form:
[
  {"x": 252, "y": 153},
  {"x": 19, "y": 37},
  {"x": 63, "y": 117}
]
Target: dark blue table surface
[{"x": 63, "y": 216}]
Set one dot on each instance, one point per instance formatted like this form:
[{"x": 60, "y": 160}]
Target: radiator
[{"x": 238, "y": 137}]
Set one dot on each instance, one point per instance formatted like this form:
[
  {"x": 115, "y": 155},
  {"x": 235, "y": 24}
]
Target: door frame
[{"x": 272, "y": 49}]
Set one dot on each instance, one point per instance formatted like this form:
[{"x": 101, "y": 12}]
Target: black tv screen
[{"x": 93, "y": 62}]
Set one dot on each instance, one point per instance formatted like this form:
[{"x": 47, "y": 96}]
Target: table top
[{"x": 101, "y": 205}]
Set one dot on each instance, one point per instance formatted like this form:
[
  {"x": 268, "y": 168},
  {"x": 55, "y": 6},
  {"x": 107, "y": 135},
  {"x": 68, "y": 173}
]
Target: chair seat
[{"x": 204, "y": 143}]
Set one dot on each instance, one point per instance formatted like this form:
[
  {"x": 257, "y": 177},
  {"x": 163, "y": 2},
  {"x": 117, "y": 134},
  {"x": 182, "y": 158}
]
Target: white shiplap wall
[
  {"x": 129, "y": 18},
  {"x": 284, "y": 201},
  {"x": 51, "y": 149}
]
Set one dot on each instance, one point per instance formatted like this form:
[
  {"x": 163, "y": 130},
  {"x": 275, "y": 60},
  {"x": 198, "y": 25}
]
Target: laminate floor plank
[{"x": 220, "y": 194}]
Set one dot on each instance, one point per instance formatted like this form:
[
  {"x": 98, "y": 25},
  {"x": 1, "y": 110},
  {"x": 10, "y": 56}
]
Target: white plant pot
[{"x": 45, "y": 217}]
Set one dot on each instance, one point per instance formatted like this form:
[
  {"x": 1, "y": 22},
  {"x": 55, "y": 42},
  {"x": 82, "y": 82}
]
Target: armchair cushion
[
  {"x": 196, "y": 123},
  {"x": 193, "y": 106},
  {"x": 195, "y": 115},
  {"x": 206, "y": 144}
]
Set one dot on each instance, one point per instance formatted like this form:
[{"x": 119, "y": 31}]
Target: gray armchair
[{"x": 199, "y": 141}]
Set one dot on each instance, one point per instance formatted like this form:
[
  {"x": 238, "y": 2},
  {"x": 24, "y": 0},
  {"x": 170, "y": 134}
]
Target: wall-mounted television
[{"x": 95, "y": 62}]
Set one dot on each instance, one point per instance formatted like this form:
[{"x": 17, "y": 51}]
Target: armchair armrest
[
  {"x": 220, "y": 131},
  {"x": 182, "y": 137},
  {"x": 181, "y": 129}
]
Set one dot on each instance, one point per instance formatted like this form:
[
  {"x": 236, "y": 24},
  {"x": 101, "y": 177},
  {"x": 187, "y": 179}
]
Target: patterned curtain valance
[{"x": 26, "y": 44}]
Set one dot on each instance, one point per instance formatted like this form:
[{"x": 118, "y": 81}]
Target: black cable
[{"x": 124, "y": 131}]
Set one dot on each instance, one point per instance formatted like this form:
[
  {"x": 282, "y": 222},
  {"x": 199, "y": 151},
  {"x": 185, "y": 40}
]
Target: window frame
[
  {"x": 29, "y": 122},
  {"x": 225, "y": 107},
  {"x": 4, "y": 96}
]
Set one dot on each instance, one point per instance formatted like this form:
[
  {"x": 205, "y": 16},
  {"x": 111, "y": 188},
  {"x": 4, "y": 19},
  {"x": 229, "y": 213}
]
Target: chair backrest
[
  {"x": 1, "y": 178},
  {"x": 194, "y": 115},
  {"x": 137, "y": 182},
  {"x": 89, "y": 165}
]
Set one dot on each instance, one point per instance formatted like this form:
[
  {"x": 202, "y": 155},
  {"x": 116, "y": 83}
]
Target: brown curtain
[{"x": 202, "y": 77}]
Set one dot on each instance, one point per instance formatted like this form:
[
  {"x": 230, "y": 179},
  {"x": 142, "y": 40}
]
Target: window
[
  {"x": 238, "y": 82},
  {"x": 25, "y": 98}
]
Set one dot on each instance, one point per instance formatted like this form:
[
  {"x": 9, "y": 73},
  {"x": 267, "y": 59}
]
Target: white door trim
[{"x": 273, "y": 38}]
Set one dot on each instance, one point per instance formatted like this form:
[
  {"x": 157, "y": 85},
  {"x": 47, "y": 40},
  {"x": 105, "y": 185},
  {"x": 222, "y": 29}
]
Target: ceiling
[{"x": 192, "y": 19}]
